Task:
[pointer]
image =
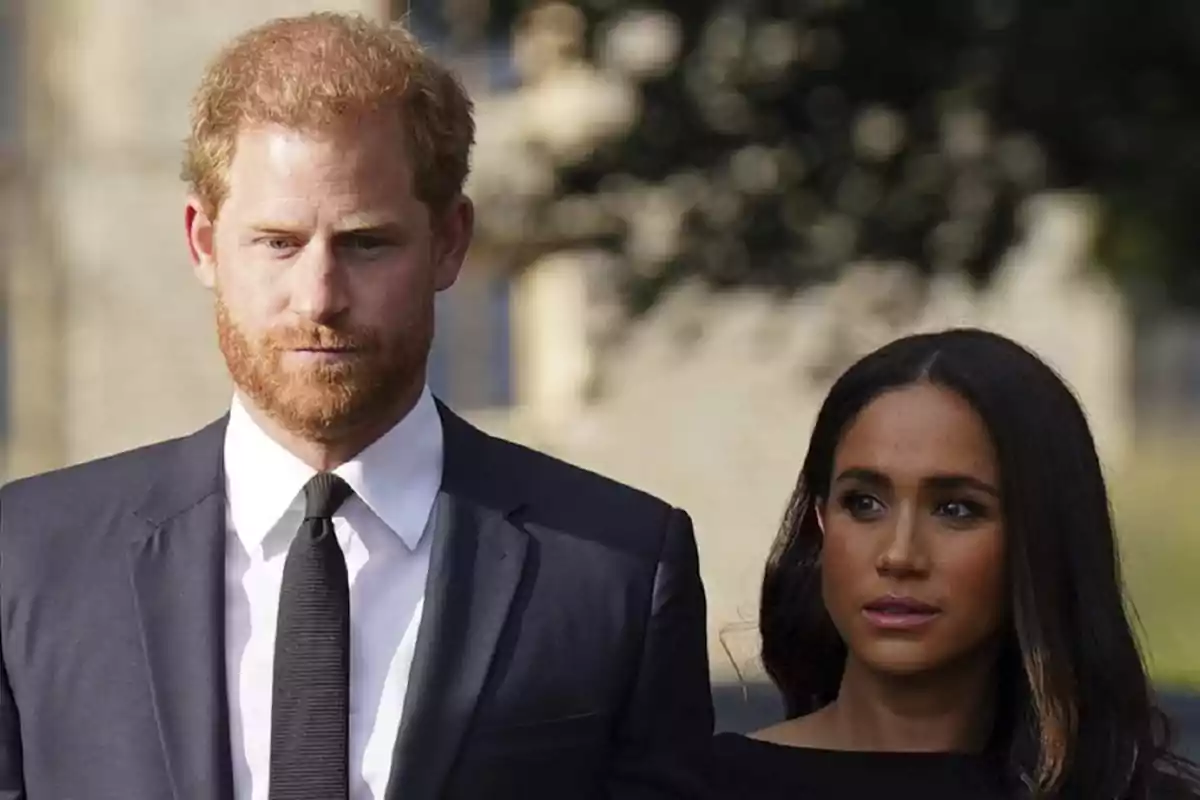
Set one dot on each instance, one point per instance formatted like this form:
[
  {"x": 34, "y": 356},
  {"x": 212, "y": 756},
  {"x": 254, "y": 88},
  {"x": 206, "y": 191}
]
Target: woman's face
[{"x": 913, "y": 557}]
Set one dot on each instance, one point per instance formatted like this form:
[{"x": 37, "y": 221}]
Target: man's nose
[{"x": 318, "y": 289}]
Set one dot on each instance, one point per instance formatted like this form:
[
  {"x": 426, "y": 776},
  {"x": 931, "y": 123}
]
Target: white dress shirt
[{"x": 381, "y": 531}]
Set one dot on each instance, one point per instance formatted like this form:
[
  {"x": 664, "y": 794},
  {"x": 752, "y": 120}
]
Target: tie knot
[{"x": 324, "y": 495}]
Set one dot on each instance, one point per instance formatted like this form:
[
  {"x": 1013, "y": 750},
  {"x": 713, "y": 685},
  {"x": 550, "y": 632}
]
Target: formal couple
[{"x": 341, "y": 589}]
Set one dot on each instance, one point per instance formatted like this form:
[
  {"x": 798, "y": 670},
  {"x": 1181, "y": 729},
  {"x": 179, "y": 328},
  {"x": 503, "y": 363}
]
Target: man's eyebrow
[
  {"x": 275, "y": 227},
  {"x": 357, "y": 229},
  {"x": 370, "y": 228}
]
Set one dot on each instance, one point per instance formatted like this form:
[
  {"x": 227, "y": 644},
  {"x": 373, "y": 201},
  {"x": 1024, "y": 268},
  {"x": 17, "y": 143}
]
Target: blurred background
[{"x": 693, "y": 216}]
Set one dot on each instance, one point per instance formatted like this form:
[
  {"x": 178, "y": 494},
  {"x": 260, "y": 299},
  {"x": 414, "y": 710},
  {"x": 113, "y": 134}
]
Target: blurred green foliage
[
  {"x": 1154, "y": 501},
  {"x": 912, "y": 130}
]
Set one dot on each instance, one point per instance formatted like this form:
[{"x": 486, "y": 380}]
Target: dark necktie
[{"x": 310, "y": 698}]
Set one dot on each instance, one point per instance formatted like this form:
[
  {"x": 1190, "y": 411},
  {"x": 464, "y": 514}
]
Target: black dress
[{"x": 748, "y": 769}]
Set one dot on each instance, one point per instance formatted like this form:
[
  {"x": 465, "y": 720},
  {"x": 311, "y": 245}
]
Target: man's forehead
[
  {"x": 284, "y": 167},
  {"x": 271, "y": 208},
  {"x": 375, "y": 145}
]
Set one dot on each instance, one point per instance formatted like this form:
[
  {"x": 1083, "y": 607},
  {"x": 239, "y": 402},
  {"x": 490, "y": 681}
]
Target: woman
[{"x": 942, "y": 609}]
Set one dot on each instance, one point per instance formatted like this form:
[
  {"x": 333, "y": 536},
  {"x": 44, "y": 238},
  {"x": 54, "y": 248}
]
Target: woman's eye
[
  {"x": 861, "y": 505},
  {"x": 961, "y": 510}
]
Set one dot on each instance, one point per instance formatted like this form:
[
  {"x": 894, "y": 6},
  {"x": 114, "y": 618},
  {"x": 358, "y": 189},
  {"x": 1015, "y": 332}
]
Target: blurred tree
[{"x": 779, "y": 140}]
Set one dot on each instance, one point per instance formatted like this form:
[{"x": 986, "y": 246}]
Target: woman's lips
[{"x": 899, "y": 613}]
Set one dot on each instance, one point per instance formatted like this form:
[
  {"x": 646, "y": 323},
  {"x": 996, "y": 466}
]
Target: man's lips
[
  {"x": 326, "y": 349},
  {"x": 325, "y": 355}
]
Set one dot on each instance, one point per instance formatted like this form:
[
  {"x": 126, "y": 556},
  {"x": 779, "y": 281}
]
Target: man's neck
[{"x": 330, "y": 452}]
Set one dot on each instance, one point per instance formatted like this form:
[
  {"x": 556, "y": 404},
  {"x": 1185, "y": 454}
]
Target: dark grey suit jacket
[{"x": 561, "y": 654}]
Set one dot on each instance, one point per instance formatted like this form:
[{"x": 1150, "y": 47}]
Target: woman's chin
[{"x": 903, "y": 659}]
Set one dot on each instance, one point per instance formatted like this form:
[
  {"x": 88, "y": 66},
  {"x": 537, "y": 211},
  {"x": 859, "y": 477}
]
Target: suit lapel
[
  {"x": 177, "y": 567},
  {"x": 475, "y": 570}
]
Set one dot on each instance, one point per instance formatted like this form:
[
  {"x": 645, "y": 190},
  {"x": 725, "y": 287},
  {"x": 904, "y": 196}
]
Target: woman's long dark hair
[{"x": 1077, "y": 716}]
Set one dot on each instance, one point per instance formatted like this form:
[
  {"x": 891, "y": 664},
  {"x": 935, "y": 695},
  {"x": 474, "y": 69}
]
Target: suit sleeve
[
  {"x": 12, "y": 782},
  {"x": 667, "y": 728}
]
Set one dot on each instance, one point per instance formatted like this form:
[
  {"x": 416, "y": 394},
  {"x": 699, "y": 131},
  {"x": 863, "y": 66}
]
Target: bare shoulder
[
  {"x": 806, "y": 731},
  {"x": 779, "y": 733}
]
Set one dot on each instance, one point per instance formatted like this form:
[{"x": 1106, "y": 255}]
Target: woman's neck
[
  {"x": 947, "y": 711},
  {"x": 951, "y": 711}
]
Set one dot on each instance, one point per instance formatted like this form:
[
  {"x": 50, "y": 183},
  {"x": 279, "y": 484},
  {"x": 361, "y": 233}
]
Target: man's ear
[
  {"x": 202, "y": 242},
  {"x": 452, "y": 231}
]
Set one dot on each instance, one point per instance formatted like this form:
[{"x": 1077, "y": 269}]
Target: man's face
[{"x": 325, "y": 265}]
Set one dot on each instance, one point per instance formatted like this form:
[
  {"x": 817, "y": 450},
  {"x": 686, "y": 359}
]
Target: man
[{"x": 341, "y": 589}]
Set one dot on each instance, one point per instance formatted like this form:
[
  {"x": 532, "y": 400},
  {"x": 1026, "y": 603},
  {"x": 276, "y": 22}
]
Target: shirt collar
[{"x": 398, "y": 476}]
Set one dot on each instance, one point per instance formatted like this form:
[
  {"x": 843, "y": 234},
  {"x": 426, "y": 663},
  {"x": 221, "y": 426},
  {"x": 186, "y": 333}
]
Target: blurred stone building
[{"x": 109, "y": 341}]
